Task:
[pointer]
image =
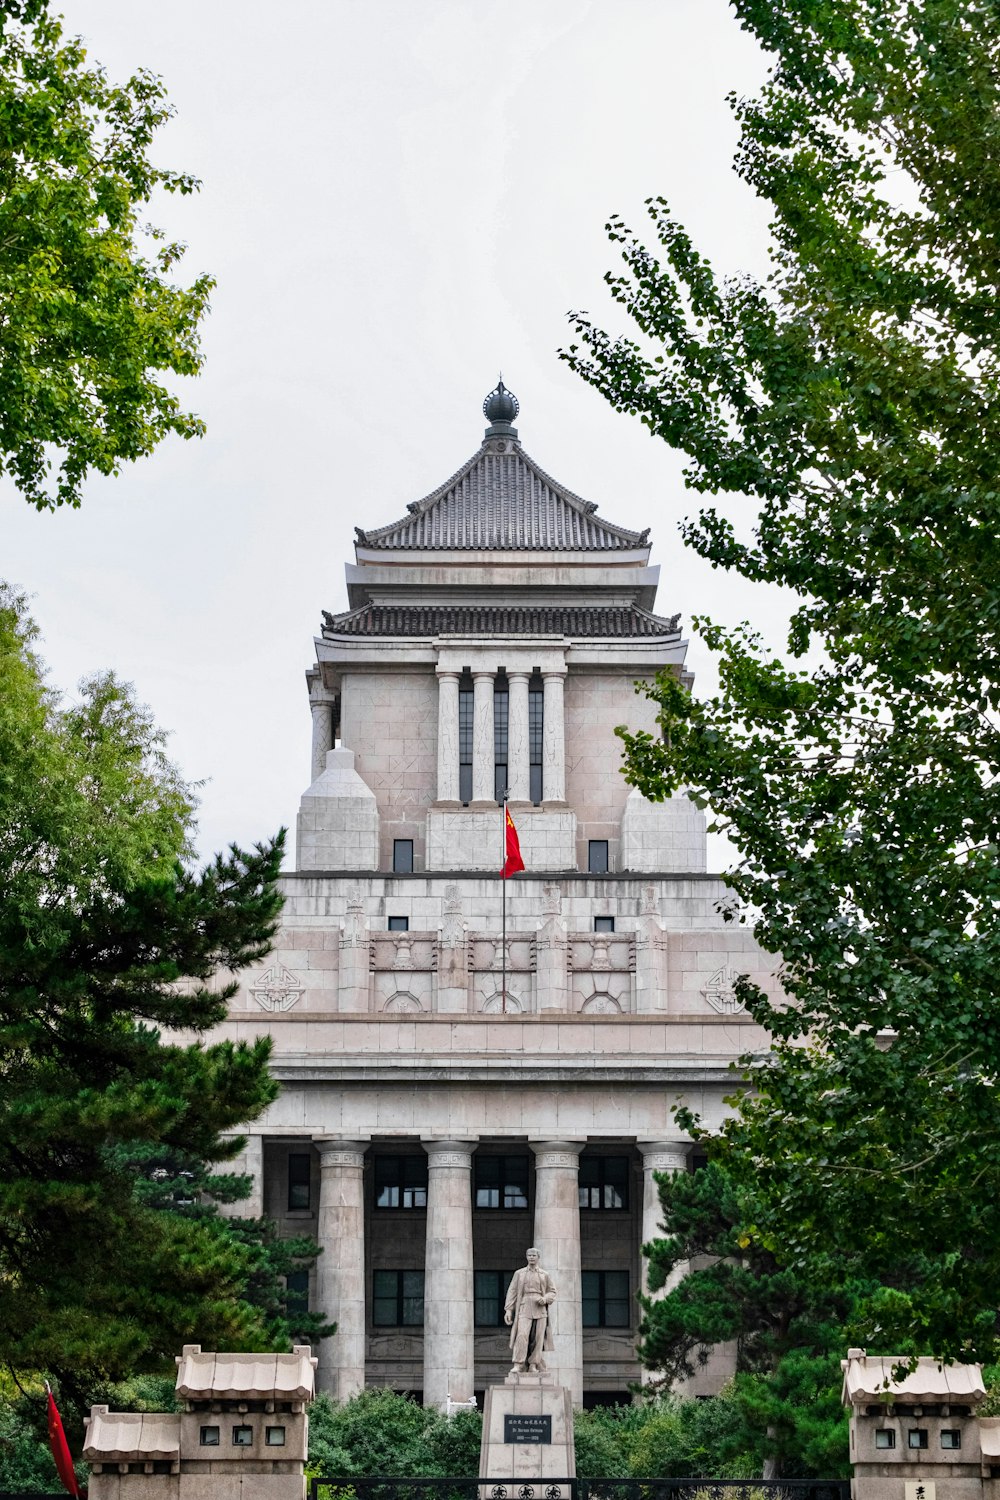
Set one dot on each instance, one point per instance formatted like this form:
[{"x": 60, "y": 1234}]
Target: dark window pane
[
  {"x": 402, "y": 856},
  {"x": 501, "y": 704},
  {"x": 606, "y": 1302},
  {"x": 299, "y": 1168},
  {"x": 591, "y": 1299},
  {"x": 951, "y": 1437},
  {"x": 400, "y": 1182},
  {"x": 604, "y": 1182},
  {"x": 243, "y": 1436},
  {"x": 536, "y": 709},
  {"x": 501, "y": 1182},
  {"x": 466, "y": 719},
  {"x": 490, "y": 1292},
  {"x": 604, "y": 924},
  {"x": 597, "y": 860},
  {"x": 399, "y": 924},
  {"x": 210, "y": 1437},
  {"x": 296, "y": 1293}
]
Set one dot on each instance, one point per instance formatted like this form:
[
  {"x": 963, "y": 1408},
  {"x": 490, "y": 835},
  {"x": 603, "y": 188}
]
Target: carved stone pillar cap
[
  {"x": 449, "y": 1154},
  {"x": 556, "y": 1153},
  {"x": 341, "y": 1153},
  {"x": 665, "y": 1156}
]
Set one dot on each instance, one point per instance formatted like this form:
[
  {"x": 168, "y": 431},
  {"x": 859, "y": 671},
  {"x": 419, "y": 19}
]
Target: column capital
[
  {"x": 557, "y": 673},
  {"x": 338, "y": 1153},
  {"x": 556, "y": 1154},
  {"x": 483, "y": 674},
  {"x": 518, "y": 673},
  {"x": 447, "y": 673},
  {"x": 449, "y": 1154},
  {"x": 665, "y": 1156}
]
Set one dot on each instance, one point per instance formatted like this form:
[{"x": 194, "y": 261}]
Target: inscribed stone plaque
[
  {"x": 920, "y": 1489},
  {"x": 521, "y": 1428}
]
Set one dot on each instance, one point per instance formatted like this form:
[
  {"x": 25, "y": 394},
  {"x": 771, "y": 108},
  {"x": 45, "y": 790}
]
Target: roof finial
[{"x": 500, "y": 408}]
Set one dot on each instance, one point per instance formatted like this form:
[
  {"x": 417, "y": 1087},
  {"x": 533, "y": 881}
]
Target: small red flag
[
  {"x": 60, "y": 1447},
  {"x": 512, "y": 847}
]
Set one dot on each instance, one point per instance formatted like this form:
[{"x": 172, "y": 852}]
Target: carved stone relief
[
  {"x": 277, "y": 989},
  {"x": 721, "y": 994}
]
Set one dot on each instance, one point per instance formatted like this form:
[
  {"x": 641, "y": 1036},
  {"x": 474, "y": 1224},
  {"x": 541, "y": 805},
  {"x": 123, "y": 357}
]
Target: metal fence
[{"x": 383, "y": 1487}]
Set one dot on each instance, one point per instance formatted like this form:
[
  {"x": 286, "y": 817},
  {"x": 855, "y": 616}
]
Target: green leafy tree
[
  {"x": 107, "y": 936},
  {"x": 851, "y": 403},
  {"x": 90, "y": 321},
  {"x": 788, "y": 1330}
]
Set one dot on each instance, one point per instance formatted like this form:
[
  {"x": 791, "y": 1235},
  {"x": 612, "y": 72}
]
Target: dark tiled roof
[
  {"x": 575, "y": 621},
  {"x": 502, "y": 501}
]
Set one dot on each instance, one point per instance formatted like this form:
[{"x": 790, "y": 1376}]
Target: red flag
[
  {"x": 512, "y": 845},
  {"x": 60, "y": 1447}
]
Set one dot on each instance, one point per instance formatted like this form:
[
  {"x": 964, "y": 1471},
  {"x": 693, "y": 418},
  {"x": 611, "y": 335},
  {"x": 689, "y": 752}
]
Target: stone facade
[{"x": 468, "y": 1069}]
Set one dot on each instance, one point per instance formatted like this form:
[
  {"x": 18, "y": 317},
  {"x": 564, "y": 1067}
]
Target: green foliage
[
  {"x": 105, "y": 937},
  {"x": 380, "y": 1432},
  {"x": 852, "y": 400},
  {"x": 170, "y": 1179},
  {"x": 90, "y": 321}
]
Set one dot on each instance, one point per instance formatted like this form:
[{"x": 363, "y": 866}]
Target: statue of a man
[{"x": 526, "y": 1312}]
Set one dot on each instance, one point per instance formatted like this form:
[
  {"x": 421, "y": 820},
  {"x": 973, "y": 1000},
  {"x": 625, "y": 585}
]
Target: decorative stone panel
[{"x": 277, "y": 989}]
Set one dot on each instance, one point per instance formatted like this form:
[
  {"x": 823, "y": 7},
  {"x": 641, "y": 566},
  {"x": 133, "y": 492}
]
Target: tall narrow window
[
  {"x": 466, "y": 719},
  {"x": 490, "y": 1292},
  {"x": 597, "y": 857},
  {"x": 501, "y": 705},
  {"x": 402, "y": 856},
  {"x": 536, "y": 720},
  {"x": 299, "y": 1169}
]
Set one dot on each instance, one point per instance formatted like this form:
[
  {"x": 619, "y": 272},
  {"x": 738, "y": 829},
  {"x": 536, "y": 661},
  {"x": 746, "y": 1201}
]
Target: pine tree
[{"x": 110, "y": 950}]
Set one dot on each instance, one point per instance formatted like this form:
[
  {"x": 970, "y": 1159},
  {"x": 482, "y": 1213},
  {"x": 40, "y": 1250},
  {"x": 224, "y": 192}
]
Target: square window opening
[
  {"x": 604, "y": 1182},
  {"x": 209, "y": 1437},
  {"x": 243, "y": 1436},
  {"x": 916, "y": 1437},
  {"x": 399, "y": 924},
  {"x": 951, "y": 1437},
  {"x": 401, "y": 1182},
  {"x": 604, "y": 924},
  {"x": 500, "y": 1182},
  {"x": 274, "y": 1437},
  {"x": 885, "y": 1437}
]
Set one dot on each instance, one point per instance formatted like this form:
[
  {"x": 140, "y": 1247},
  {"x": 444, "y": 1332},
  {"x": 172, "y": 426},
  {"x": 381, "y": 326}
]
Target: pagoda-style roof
[
  {"x": 243, "y": 1377},
  {"x": 131, "y": 1436},
  {"x": 870, "y": 1378},
  {"x": 502, "y": 501},
  {"x": 574, "y": 621}
]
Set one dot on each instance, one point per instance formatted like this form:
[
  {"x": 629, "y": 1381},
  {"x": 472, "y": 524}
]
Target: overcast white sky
[{"x": 398, "y": 200}]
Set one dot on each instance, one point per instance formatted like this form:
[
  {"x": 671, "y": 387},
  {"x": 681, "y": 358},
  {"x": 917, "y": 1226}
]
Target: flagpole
[{"x": 503, "y": 929}]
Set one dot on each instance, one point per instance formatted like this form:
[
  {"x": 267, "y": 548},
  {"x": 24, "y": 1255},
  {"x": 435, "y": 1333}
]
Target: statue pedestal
[{"x": 528, "y": 1437}]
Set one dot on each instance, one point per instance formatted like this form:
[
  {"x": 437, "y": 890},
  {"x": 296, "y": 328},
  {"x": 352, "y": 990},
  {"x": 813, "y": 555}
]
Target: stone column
[
  {"x": 447, "y": 787},
  {"x": 658, "y": 1156},
  {"x": 518, "y": 770},
  {"x": 322, "y": 735},
  {"x": 553, "y": 740},
  {"x": 557, "y": 1236},
  {"x": 449, "y": 1350},
  {"x": 340, "y": 1270},
  {"x": 483, "y": 749}
]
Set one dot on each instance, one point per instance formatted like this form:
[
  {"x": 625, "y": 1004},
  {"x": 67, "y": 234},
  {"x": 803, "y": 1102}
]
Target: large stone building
[{"x": 448, "y": 1097}]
